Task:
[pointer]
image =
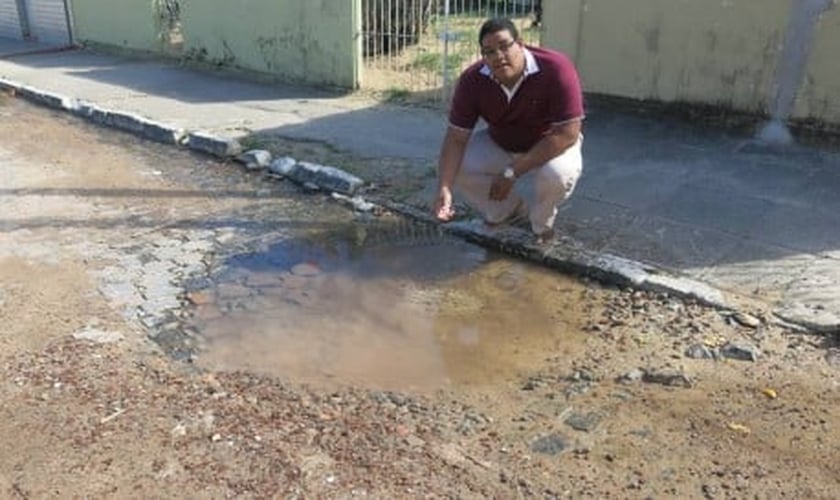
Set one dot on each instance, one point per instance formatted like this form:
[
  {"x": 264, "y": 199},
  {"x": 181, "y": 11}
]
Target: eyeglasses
[{"x": 502, "y": 48}]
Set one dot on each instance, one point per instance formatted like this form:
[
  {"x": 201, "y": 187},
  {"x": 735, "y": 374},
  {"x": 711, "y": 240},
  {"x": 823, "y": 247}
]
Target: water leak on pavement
[{"x": 386, "y": 305}]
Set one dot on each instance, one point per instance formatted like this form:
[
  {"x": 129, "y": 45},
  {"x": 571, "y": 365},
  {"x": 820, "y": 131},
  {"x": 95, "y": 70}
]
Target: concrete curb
[
  {"x": 49, "y": 99},
  {"x": 127, "y": 122},
  {"x": 221, "y": 147},
  {"x": 570, "y": 257}
]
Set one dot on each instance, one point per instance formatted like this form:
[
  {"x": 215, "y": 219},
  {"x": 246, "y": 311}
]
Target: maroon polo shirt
[{"x": 549, "y": 95}]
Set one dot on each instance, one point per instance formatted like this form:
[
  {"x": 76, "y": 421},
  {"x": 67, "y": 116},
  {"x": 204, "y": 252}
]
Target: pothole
[{"x": 383, "y": 304}]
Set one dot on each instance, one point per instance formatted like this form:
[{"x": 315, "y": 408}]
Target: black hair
[{"x": 495, "y": 25}]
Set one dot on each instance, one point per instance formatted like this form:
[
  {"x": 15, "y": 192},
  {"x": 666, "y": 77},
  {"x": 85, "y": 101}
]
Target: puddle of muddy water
[{"x": 369, "y": 308}]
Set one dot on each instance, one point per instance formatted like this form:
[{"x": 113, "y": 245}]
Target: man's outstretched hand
[{"x": 443, "y": 210}]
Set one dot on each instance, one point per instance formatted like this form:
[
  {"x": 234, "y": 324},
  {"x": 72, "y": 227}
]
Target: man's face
[{"x": 503, "y": 55}]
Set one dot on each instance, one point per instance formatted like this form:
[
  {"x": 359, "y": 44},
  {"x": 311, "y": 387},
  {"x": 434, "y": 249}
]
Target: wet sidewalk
[{"x": 700, "y": 203}]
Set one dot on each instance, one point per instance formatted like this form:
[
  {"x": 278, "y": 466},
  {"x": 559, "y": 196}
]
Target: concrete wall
[
  {"x": 127, "y": 24},
  {"x": 310, "y": 41},
  {"x": 819, "y": 95},
  {"x": 307, "y": 41},
  {"x": 720, "y": 52}
]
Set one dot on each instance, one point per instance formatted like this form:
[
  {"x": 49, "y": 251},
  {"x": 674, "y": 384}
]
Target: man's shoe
[
  {"x": 519, "y": 218},
  {"x": 546, "y": 239}
]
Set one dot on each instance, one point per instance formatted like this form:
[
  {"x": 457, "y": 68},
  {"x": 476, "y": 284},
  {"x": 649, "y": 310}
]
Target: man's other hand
[{"x": 443, "y": 209}]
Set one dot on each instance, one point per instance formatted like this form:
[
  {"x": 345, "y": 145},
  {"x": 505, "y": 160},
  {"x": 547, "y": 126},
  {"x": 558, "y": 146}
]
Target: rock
[
  {"x": 578, "y": 389},
  {"x": 668, "y": 378},
  {"x": 306, "y": 269},
  {"x": 747, "y": 320},
  {"x": 325, "y": 177},
  {"x": 283, "y": 166},
  {"x": 585, "y": 422},
  {"x": 584, "y": 375},
  {"x": 357, "y": 203},
  {"x": 710, "y": 491},
  {"x": 622, "y": 395},
  {"x": 631, "y": 377},
  {"x": 699, "y": 351},
  {"x": 530, "y": 385},
  {"x": 255, "y": 159},
  {"x": 740, "y": 351},
  {"x": 397, "y": 399},
  {"x": 553, "y": 444},
  {"x": 414, "y": 441},
  {"x": 362, "y": 205},
  {"x": 97, "y": 335},
  {"x": 452, "y": 454}
]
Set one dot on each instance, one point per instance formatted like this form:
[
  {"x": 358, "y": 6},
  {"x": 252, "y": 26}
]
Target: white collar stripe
[{"x": 531, "y": 65}]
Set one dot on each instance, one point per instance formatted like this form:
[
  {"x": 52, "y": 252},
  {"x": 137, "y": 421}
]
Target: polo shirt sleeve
[
  {"x": 566, "y": 102},
  {"x": 463, "y": 113}
]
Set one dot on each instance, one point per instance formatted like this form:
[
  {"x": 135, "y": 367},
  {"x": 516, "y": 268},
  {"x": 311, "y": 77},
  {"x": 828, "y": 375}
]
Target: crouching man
[{"x": 527, "y": 160}]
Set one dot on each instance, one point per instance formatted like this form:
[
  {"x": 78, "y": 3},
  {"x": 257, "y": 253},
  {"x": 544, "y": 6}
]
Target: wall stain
[
  {"x": 711, "y": 40},
  {"x": 268, "y": 47},
  {"x": 169, "y": 29},
  {"x": 229, "y": 56},
  {"x": 652, "y": 37}
]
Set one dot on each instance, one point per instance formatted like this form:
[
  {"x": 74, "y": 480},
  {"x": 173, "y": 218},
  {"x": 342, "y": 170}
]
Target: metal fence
[{"x": 419, "y": 47}]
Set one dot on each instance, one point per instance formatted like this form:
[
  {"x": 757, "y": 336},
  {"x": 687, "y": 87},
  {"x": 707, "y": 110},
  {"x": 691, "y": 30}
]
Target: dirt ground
[{"x": 91, "y": 407}]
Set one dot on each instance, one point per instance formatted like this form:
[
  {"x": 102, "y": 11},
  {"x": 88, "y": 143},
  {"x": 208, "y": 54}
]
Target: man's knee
[{"x": 558, "y": 177}]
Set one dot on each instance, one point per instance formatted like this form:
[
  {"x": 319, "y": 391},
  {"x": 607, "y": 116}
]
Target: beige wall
[
  {"x": 819, "y": 95},
  {"x": 307, "y": 41},
  {"x": 128, "y": 24},
  {"x": 561, "y": 20},
  {"x": 310, "y": 41},
  {"x": 721, "y": 52}
]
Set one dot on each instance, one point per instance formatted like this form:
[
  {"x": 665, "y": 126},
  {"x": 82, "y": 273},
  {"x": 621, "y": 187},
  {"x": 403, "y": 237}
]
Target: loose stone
[
  {"x": 631, "y": 376},
  {"x": 747, "y": 320},
  {"x": 255, "y": 159},
  {"x": 283, "y": 166},
  {"x": 550, "y": 445},
  {"x": 667, "y": 378},
  {"x": 585, "y": 422},
  {"x": 742, "y": 352},
  {"x": 699, "y": 351}
]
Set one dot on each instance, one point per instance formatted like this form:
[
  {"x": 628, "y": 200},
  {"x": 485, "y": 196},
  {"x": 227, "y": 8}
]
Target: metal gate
[
  {"x": 419, "y": 47},
  {"x": 48, "y": 21},
  {"x": 10, "y": 24}
]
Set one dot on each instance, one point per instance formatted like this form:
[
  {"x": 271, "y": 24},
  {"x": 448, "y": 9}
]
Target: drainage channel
[{"x": 387, "y": 304}]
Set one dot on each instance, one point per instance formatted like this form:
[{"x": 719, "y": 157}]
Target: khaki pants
[{"x": 537, "y": 193}]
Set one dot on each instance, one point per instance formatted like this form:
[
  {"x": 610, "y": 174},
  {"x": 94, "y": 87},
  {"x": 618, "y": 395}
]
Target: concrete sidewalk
[{"x": 657, "y": 194}]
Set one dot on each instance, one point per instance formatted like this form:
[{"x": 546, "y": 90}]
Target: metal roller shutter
[
  {"x": 48, "y": 21},
  {"x": 9, "y": 20}
]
